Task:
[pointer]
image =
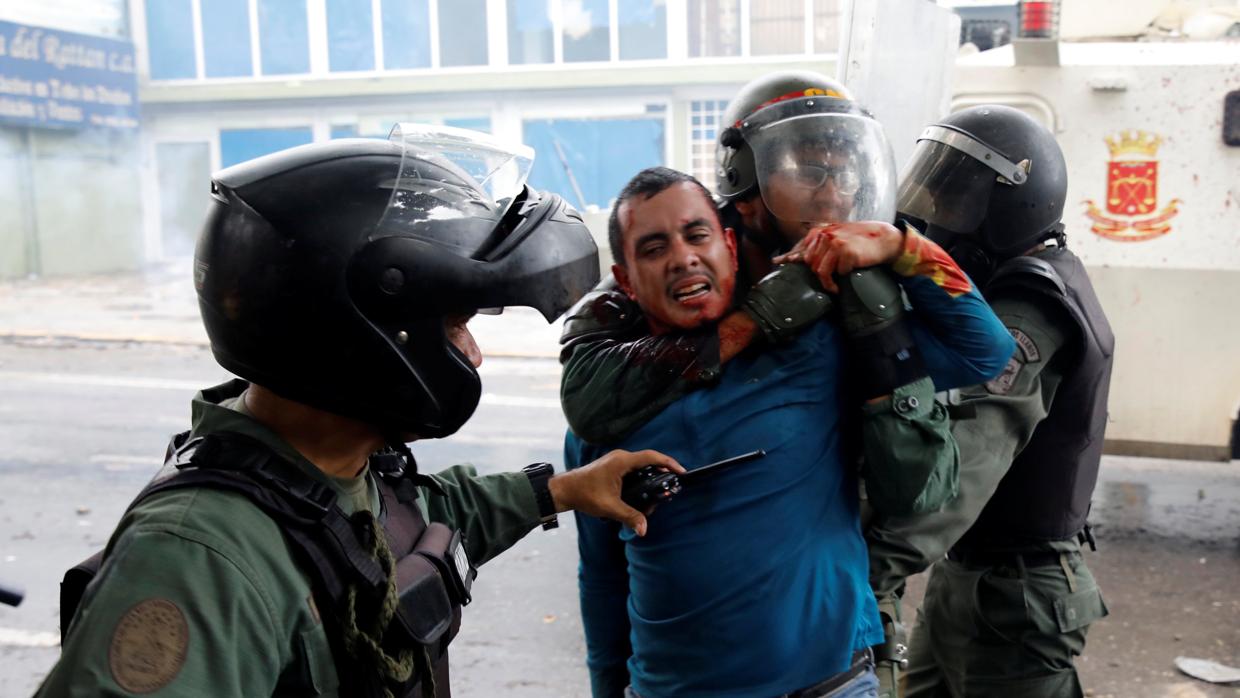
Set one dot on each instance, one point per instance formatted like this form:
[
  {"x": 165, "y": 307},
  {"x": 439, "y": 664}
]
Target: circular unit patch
[{"x": 148, "y": 646}]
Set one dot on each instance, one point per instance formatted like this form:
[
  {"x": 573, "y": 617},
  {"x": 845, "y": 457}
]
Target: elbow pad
[
  {"x": 786, "y": 301},
  {"x": 877, "y": 327}
]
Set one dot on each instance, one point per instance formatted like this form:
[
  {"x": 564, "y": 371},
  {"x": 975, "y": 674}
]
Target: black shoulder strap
[
  {"x": 319, "y": 532},
  {"x": 329, "y": 548},
  {"x": 1027, "y": 272},
  {"x": 306, "y": 509},
  {"x": 396, "y": 474}
]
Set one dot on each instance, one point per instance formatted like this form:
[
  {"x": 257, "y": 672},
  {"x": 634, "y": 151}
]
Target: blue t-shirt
[{"x": 754, "y": 583}]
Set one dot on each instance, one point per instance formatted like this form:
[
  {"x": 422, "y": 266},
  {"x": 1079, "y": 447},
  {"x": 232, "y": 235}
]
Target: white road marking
[
  {"x": 117, "y": 462},
  {"x": 520, "y": 401},
  {"x": 526, "y": 441},
  {"x": 518, "y": 367},
  {"x": 103, "y": 381},
  {"x": 490, "y": 367},
  {"x": 12, "y": 637}
]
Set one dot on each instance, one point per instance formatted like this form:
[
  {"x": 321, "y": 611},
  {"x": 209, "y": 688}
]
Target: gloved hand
[{"x": 786, "y": 301}]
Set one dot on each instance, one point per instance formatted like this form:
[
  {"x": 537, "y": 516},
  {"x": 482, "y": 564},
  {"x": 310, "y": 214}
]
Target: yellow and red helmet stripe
[{"x": 799, "y": 94}]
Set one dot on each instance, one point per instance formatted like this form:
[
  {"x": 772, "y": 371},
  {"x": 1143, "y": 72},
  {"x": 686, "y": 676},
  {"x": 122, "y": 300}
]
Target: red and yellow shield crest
[
  {"x": 1132, "y": 191},
  {"x": 1132, "y": 187}
]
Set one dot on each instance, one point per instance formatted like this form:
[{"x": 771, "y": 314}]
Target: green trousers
[{"x": 1008, "y": 631}]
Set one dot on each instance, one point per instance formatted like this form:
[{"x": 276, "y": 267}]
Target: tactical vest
[
  {"x": 433, "y": 576},
  {"x": 1045, "y": 494}
]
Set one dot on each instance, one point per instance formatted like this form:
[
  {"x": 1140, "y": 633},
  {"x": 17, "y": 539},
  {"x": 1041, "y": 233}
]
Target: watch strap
[{"x": 539, "y": 475}]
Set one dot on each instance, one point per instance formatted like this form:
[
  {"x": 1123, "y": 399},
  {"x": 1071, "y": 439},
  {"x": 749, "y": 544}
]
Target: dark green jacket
[{"x": 199, "y": 594}]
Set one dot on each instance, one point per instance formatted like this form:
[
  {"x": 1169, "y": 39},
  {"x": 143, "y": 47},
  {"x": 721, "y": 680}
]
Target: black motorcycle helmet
[
  {"x": 325, "y": 272},
  {"x": 989, "y": 182}
]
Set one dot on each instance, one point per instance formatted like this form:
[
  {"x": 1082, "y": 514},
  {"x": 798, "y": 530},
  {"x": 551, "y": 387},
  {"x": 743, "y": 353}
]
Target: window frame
[{"x": 496, "y": 42}]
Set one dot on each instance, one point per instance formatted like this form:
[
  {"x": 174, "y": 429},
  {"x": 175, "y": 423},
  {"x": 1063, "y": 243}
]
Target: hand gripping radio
[{"x": 650, "y": 485}]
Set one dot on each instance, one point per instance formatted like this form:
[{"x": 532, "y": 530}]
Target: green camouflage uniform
[{"x": 199, "y": 594}]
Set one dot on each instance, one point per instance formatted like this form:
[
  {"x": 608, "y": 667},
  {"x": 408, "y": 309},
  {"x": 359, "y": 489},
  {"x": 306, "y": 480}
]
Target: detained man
[{"x": 755, "y": 582}]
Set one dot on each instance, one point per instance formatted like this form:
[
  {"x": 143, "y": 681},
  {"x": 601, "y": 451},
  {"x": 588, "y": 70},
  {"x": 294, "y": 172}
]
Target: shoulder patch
[
  {"x": 149, "y": 646},
  {"x": 1027, "y": 347},
  {"x": 1002, "y": 384}
]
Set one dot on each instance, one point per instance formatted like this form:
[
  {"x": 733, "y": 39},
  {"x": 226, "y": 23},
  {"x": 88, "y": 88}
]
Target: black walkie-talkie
[{"x": 651, "y": 485}]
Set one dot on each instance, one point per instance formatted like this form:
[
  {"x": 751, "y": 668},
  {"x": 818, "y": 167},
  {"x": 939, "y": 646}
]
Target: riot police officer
[
  {"x": 289, "y": 546},
  {"x": 1007, "y": 611}
]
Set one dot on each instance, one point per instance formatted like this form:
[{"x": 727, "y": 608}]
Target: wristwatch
[{"x": 539, "y": 474}]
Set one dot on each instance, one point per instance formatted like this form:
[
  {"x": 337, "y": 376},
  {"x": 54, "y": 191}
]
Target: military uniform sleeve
[
  {"x": 603, "y": 582},
  {"x": 171, "y": 613},
  {"x": 911, "y": 460},
  {"x": 1006, "y": 411},
  {"x": 610, "y": 387},
  {"x": 493, "y": 511}
]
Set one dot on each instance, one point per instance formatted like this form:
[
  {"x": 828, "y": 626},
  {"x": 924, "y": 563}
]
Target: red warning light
[{"x": 1039, "y": 20}]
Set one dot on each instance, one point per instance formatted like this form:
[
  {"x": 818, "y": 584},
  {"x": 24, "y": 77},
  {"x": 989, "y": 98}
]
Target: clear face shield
[
  {"x": 469, "y": 234},
  {"x": 451, "y": 174},
  {"x": 821, "y": 160},
  {"x": 949, "y": 179}
]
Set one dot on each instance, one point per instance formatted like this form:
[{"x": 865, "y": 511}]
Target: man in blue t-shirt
[{"x": 754, "y": 583}]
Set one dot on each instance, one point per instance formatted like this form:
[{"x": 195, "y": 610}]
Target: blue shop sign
[{"x": 57, "y": 79}]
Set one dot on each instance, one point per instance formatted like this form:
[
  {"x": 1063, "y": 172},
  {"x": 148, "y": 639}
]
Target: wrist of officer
[{"x": 542, "y": 479}]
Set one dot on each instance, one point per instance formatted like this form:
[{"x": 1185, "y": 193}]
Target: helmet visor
[
  {"x": 462, "y": 232},
  {"x": 945, "y": 187},
  {"x": 822, "y": 161},
  {"x": 451, "y": 174}
]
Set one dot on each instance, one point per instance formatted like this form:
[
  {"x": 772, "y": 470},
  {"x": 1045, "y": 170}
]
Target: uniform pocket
[
  {"x": 1001, "y": 606},
  {"x": 1078, "y": 609},
  {"x": 318, "y": 669},
  {"x": 912, "y": 464}
]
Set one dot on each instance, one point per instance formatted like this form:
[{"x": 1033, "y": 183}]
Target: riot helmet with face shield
[
  {"x": 815, "y": 156},
  {"x": 989, "y": 182},
  {"x": 326, "y": 272},
  {"x": 821, "y": 160}
]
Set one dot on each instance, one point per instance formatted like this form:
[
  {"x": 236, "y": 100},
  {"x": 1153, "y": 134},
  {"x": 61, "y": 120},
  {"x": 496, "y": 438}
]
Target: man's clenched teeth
[{"x": 691, "y": 291}]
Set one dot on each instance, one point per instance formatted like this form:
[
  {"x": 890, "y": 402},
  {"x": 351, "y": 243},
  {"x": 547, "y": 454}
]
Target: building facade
[
  {"x": 70, "y": 139},
  {"x": 600, "y": 88}
]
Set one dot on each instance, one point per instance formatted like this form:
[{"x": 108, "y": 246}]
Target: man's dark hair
[{"x": 646, "y": 184}]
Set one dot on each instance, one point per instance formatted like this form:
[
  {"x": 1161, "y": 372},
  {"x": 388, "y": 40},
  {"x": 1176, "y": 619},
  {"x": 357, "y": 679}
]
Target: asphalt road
[{"x": 83, "y": 426}]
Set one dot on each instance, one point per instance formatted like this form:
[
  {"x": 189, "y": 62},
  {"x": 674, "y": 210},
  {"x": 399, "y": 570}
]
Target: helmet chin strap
[
  {"x": 976, "y": 261},
  {"x": 395, "y": 458}
]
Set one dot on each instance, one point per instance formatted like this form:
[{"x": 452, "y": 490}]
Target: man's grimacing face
[{"x": 680, "y": 263}]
